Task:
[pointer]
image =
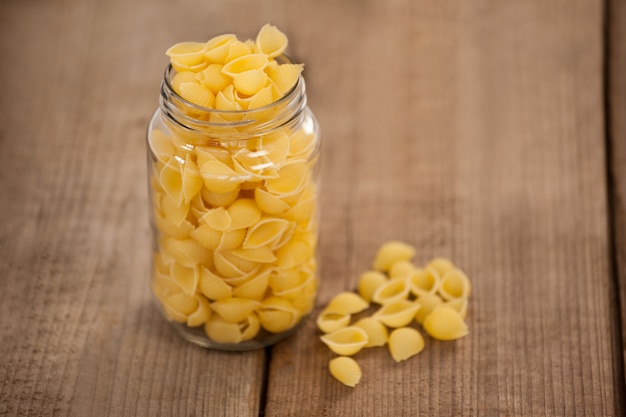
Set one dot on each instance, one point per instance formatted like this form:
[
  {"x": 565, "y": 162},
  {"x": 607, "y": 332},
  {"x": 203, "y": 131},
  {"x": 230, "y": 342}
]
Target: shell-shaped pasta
[
  {"x": 217, "y": 48},
  {"x": 222, "y": 331},
  {"x": 276, "y": 146},
  {"x": 202, "y": 313},
  {"x": 269, "y": 203},
  {"x": 219, "y": 177},
  {"x": 225, "y": 100},
  {"x": 171, "y": 180},
  {"x": 278, "y": 315},
  {"x": 213, "y": 287},
  {"x": 254, "y": 164},
  {"x": 197, "y": 94},
  {"x": 401, "y": 269},
  {"x": 391, "y": 291},
  {"x": 219, "y": 199},
  {"x": 427, "y": 303},
  {"x": 369, "y": 282},
  {"x": 245, "y": 63},
  {"x": 404, "y": 343},
  {"x": 237, "y": 49},
  {"x": 207, "y": 236},
  {"x": 442, "y": 265},
  {"x": 445, "y": 323},
  {"x": 307, "y": 279},
  {"x": 302, "y": 143},
  {"x": 250, "y": 327},
  {"x": 285, "y": 76},
  {"x": 376, "y": 332},
  {"x": 186, "y": 53},
  {"x": 290, "y": 180},
  {"x": 459, "y": 304},
  {"x": 188, "y": 252},
  {"x": 182, "y": 77},
  {"x": 293, "y": 253},
  {"x": 347, "y": 303},
  {"x": 262, "y": 254},
  {"x": 187, "y": 278},
  {"x": 213, "y": 78},
  {"x": 284, "y": 280},
  {"x": 244, "y": 213},
  {"x": 271, "y": 41},
  {"x": 346, "y": 341},
  {"x": 250, "y": 82},
  {"x": 231, "y": 267},
  {"x": 173, "y": 212},
  {"x": 180, "y": 305},
  {"x": 302, "y": 210},
  {"x": 424, "y": 281},
  {"x": 392, "y": 252},
  {"x": 265, "y": 232},
  {"x": 161, "y": 145},
  {"x": 212, "y": 153},
  {"x": 170, "y": 229},
  {"x": 218, "y": 218},
  {"x": 454, "y": 284},
  {"x": 191, "y": 180},
  {"x": 345, "y": 370},
  {"x": 255, "y": 289},
  {"x": 329, "y": 322},
  {"x": 262, "y": 98},
  {"x": 397, "y": 314},
  {"x": 234, "y": 310}
]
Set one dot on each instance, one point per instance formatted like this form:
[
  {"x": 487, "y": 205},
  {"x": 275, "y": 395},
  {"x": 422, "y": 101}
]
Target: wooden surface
[{"x": 489, "y": 132}]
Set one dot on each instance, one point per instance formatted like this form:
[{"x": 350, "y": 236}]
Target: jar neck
[{"x": 211, "y": 124}]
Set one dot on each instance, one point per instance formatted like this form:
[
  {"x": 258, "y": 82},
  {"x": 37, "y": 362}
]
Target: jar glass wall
[{"x": 234, "y": 216}]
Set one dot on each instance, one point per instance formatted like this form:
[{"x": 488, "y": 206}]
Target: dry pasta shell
[
  {"x": 369, "y": 281},
  {"x": 161, "y": 145},
  {"x": 202, "y": 313},
  {"x": 180, "y": 305},
  {"x": 170, "y": 229},
  {"x": 329, "y": 322},
  {"x": 304, "y": 284},
  {"x": 244, "y": 213},
  {"x": 219, "y": 199},
  {"x": 285, "y": 279},
  {"x": 197, "y": 94},
  {"x": 232, "y": 267},
  {"x": 186, "y": 277},
  {"x": 346, "y": 370},
  {"x": 262, "y": 98},
  {"x": 187, "y": 54},
  {"x": 442, "y": 265},
  {"x": 402, "y": 269},
  {"x": 262, "y": 254},
  {"x": 186, "y": 251},
  {"x": 427, "y": 304},
  {"x": 207, "y": 236},
  {"x": 459, "y": 304},
  {"x": 346, "y": 341},
  {"x": 217, "y": 48},
  {"x": 376, "y": 332},
  {"x": 250, "y": 82},
  {"x": 270, "y": 203},
  {"x": 290, "y": 180},
  {"x": 271, "y": 41},
  {"x": 278, "y": 315},
  {"x": 221, "y": 331},
  {"x": 405, "y": 343},
  {"x": 293, "y": 253},
  {"x": 347, "y": 303},
  {"x": 171, "y": 180},
  {"x": 265, "y": 232},
  {"x": 454, "y": 284},
  {"x": 424, "y": 282},
  {"x": 191, "y": 180},
  {"x": 212, "y": 153},
  {"x": 213, "y": 287},
  {"x": 219, "y": 177},
  {"x": 213, "y": 78},
  {"x": 250, "y": 327},
  {"x": 397, "y": 314},
  {"x": 285, "y": 76},
  {"x": 391, "y": 291},
  {"x": 234, "y": 310},
  {"x": 276, "y": 146},
  {"x": 244, "y": 64},
  {"x": 254, "y": 164},
  {"x": 302, "y": 143},
  {"x": 174, "y": 212},
  {"x": 255, "y": 288},
  {"x": 392, "y": 252},
  {"x": 445, "y": 323},
  {"x": 217, "y": 219}
]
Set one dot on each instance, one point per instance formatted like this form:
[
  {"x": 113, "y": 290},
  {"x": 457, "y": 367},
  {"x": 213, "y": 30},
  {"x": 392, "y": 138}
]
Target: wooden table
[{"x": 493, "y": 133}]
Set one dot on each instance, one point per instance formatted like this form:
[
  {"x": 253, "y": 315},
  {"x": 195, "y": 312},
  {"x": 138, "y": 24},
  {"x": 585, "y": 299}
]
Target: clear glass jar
[{"x": 234, "y": 215}]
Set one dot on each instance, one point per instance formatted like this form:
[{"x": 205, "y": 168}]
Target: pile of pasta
[
  {"x": 237, "y": 225},
  {"x": 435, "y": 296}
]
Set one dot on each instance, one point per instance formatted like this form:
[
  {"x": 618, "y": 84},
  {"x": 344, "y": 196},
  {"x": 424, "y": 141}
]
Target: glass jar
[{"x": 234, "y": 216}]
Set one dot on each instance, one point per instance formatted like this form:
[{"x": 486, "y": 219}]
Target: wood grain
[{"x": 473, "y": 130}]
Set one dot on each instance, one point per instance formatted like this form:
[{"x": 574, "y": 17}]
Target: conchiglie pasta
[
  {"x": 346, "y": 341},
  {"x": 271, "y": 41},
  {"x": 404, "y": 343},
  {"x": 397, "y": 314},
  {"x": 347, "y": 303},
  {"x": 454, "y": 284},
  {"x": 346, "y": 370},
  {"x": 445, "y": 323},
  {"x": 328, "y": 321},
  {"x": 376, "y": 332},
  {"x": 392, "y": 252},
  {"x": 369, "y": 282}
]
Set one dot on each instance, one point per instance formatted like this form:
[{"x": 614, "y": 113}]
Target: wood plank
[
  {"x": 616, "y": 67},
  {"x": 473, "y": 130},
  {"x": 79, "y": 335}
]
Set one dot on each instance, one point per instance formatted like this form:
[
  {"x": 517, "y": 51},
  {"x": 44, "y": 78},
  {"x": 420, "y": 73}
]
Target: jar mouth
[{"x": 196, "y": 117}]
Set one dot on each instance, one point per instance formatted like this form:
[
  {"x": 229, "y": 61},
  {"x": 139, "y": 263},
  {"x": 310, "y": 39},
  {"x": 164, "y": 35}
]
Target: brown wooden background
[{"x": 491, "y": 132}]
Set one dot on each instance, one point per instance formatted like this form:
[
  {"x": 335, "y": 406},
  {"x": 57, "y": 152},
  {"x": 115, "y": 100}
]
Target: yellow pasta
[
  {"x": 182, "y": 77},
  {"x": 328, "y": 322},
  {"x": 302, "y": 144},
  {"x": 404, "y": 343},
  {"x": 271, "y": 41},
  {"x": 345, "y": 370},
  {"x": 180, "y": 305},
  {"x": 222, "y": 331},
  {"x": 161, "y": 145},
  {"x": 244, "y": 213},
  {"x": 424, "y": 281},
  {"x": 289, "y": 181},
  {"x": 171, "y": 180},
  {"x": 392, "y": 252},
  {"x": 230, "y": 266},
  {"x": 442, "y": 265},
  {"x": 250, "y": 82},
  {"x": 217, "y": 48},
  {"x": 278, "y": 315},
  {"x": 293, "y": 253},
  {"x": 346, "y": 341},
  {"x": 172, "y": 211},
  {"x": 262, "y": 254},
  {"x": 347, "y": 303},
  {"x": 445, "y": 323},
  {"x": 188, "y": 252},
  {"x": 265, "y": 232},
  {"x": 197, "y": 94},
  {"x": 219, "y": 199},
  {"x": 186, "y": 277},
  {"x": 369, "y": 282},
  {"x": 201, "y": 314},
  {"x": 401, "y": 269},
  {"x": 213, "y": 287},
  {"x": 454, "y": 284},
  {"x": 213, "y": 78},
  {"x": 427, "y": 304},
  {"x": 254, "y": 289},
  {"x": 459, "y": 304},
  {"x": 377, "y": 333},
  {"x": 206, "y": 236},
  {"x": 270, "y": 203},
  {"x": 244, "y": 64},
  {"x": 391, "y": 291},
  {"x": 237, "y": 49},
  {"x": 398, "y": 313},
  {"x": 276, "y": 147},
  {"x": 217, "y": 219},
  {"x": 191, "y": 180},
  {"x": 261, "y": 98},
  {"x": 285, "y": 76},
  {"x": 186, "y": 55},
  {"x": 219, "y": 177},
  {"x": 235, "y": 310}
]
